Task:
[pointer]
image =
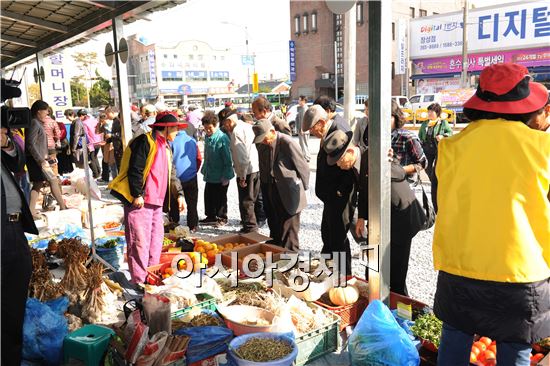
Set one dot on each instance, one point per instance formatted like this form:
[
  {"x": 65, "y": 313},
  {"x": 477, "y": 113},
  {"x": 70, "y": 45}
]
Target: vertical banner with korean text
[
  {"x": 401, "y": 43},
  {"x": 292, "y": 59},
  {"x": 56, "y": 90}
]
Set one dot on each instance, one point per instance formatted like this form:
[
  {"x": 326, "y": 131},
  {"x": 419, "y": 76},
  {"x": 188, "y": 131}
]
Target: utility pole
[
  {"x": 464, "y": 75},
  {"x": 350, "y": 31},
  {"x": 335, "y": 71},
  {"x": 248, "y": 68}
]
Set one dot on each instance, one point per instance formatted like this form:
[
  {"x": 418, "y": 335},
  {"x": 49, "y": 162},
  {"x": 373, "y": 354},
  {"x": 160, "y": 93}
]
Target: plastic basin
[
  {"x": 238, "y": 341},
  {"x": 236, "y": 315}
]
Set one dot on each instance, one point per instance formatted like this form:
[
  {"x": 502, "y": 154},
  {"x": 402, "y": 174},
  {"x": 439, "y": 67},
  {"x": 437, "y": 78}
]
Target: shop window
[
  {"x": 305, "y": 19},
  {"x": 422, "y": 13},
  {"x": 314, "y": 22},
  {"x": 297, "y": 25},
  {"x": 360, "y": 15},
  {"x": 393, "y": 70},
  {"x": 412, "y": 12},
  {"x": 393, "y": 31}
]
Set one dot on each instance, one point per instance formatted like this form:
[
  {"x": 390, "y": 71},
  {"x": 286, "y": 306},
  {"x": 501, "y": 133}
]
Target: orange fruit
[
  {"x": 490, "y": 355},
  {"x": 169, "y": 271},
  {"x": 481, "y": 358},
  {"x": 181, "y": 265},
  {"x": 492, "y": 348},
  {"x": 473, "y": 357},
  {"x": 475, "y": 350},
  {"x": 482, "y": 346},
  {"x": 537, "y": 357},
  {"x": 486, "y": 340}
]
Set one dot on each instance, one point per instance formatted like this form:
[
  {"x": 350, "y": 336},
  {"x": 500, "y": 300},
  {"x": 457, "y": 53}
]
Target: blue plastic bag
[
  {"x": 44, "y": 329},
  {"x": 73, "y": 231},
  {"x": 114, "y": 256},
  {"x": 379, "y": 340},
  {"x": 205, "y": 341}
]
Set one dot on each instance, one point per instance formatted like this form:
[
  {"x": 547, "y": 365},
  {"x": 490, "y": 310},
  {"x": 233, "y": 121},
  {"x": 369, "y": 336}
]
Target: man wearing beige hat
[
  {"x": 288, "y": 179},
  {"x": 335, "y": 183}
]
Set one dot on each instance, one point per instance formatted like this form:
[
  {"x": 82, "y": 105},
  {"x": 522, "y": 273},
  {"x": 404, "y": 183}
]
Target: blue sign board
[
  {"x": 292, "y": 55},
  {"x": 247, "y": 60}
]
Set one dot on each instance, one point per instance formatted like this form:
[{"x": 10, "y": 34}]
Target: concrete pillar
[
  {"x": 378, "y": 249},
  {"x": 122, "y": 83}
]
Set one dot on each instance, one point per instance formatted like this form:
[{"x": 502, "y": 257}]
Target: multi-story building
[
  {"x": 186, "y": 71},
  {"x": 318, "y": 33}
]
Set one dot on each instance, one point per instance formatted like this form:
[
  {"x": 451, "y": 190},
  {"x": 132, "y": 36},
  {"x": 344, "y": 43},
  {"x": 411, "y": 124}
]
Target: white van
[
  {"x": 402, "y": 101},
  {"x": 424, "y": 100}
]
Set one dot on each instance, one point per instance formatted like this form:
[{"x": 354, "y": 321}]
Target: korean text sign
[
  {"x": 517, "y": 26},
  {"x": 57, "y": 89}
]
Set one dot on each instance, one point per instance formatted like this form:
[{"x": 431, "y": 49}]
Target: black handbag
[{"x": 427, "y": 206}]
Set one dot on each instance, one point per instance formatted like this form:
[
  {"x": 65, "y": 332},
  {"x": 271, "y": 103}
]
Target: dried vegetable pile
[
  {"x": 263, "y": 349},
  {"x": 75, "y": 254},
  {"x": 42, "y": 286}
]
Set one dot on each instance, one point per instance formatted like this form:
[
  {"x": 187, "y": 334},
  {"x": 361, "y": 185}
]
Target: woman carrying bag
[{"x": 39, "y": 163}]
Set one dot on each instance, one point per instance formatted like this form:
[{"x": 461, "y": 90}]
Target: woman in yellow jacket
[
  {"x": 146, "y": 175},
  {"x": 492, "y": 233}
]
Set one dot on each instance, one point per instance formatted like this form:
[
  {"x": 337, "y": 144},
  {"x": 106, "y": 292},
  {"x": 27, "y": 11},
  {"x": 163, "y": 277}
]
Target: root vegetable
[
  {"x": 74, "y": 253},
  {"x": 93, "y": 302}
]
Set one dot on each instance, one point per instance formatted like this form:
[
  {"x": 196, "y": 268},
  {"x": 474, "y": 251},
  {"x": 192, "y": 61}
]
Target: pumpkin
[{"x": 343, "y": 295}]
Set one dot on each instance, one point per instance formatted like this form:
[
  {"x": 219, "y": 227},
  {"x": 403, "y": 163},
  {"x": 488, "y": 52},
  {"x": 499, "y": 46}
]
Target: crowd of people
[{"x": 493, "y": 178}]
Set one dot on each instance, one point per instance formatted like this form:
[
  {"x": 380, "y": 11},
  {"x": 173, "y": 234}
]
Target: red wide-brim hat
[
  {"x": 507, "y": 89},
  {"x": 168, "y": 119}
]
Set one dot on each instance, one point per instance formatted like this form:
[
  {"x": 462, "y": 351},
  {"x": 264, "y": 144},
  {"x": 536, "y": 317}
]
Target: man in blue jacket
[{"x": 187, "y": 159}]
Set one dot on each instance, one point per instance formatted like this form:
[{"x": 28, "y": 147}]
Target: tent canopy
[{"x": 29, "y": 27}]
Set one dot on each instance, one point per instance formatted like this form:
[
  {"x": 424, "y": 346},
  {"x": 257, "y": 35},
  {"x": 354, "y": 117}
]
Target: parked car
[
  {"x": 424, "y": 100},
  {"x": 402, "y": 101}
]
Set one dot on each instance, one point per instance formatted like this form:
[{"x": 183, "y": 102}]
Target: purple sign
[{"x": 477, "y": 62}]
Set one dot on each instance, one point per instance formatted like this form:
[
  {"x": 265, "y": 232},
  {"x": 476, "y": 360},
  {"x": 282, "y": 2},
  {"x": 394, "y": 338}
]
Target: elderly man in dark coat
[
  {"x": 288, "y": 179},
  {"x": 336, "y": 179}
]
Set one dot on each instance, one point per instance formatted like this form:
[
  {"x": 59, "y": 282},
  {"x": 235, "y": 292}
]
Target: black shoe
[{"x": 209, "y": 220}]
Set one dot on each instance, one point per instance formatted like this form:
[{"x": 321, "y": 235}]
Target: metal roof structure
[{"x": 28, "y": 27}]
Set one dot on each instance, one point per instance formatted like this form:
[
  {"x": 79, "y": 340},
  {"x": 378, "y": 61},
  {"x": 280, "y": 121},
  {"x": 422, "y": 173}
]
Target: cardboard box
[{"x": 259, "y": 248}]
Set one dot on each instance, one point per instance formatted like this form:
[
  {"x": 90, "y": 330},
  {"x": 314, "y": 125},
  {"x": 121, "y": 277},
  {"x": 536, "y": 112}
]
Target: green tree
[
  {"x": 78, "y": 92},
  {"x": 86, "y": 61},
  {"x": 100, "y": 92}
]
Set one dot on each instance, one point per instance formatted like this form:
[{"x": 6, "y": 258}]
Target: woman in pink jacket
[{"x": 53, "y": 133}]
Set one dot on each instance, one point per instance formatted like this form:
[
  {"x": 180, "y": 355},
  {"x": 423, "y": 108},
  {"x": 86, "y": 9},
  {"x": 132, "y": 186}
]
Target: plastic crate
[
  {"x": 205, "y": 302},
  {"x": 319, "y": 342},
  {"x": 349, "y": 314},
  {"x": 154, "y": 273}
]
